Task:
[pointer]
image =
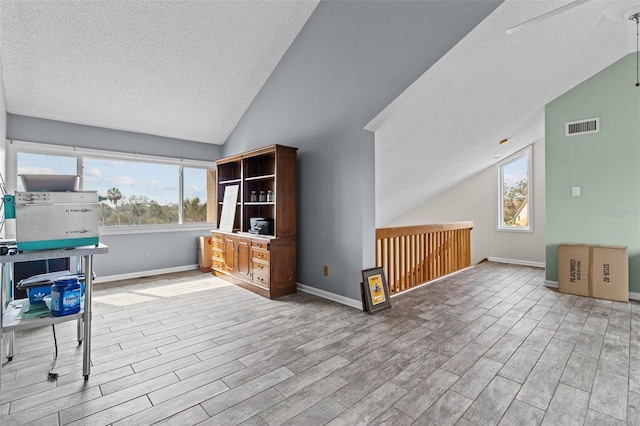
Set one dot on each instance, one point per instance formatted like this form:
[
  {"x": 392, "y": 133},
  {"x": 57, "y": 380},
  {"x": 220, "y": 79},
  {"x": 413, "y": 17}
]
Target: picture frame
[{"x": 375, "y": 291}]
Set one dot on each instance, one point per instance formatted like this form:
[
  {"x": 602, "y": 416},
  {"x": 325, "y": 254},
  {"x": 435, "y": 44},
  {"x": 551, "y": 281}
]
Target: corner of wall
[{"x": 602, "y": 164}]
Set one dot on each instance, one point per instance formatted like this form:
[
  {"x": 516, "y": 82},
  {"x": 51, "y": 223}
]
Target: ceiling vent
[{"x": 582, "y": 127}]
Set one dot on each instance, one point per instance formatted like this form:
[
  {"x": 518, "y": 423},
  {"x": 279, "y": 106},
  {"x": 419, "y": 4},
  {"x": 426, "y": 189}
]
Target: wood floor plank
[
  {"x": 189, "y": 348},
  {"x": 194, "y": 382},
  {"x": 174, "y": 405},
  {"x": 135, "y": 378},
  {"x": 117, "y": 412},
  {"x": 302, "y": 400},
  {"x": 238, "y": 394},
  {"x": 112, "y": 400}
]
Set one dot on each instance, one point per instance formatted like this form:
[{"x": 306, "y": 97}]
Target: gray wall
[
  {"x": 54, "y": 132},
  {"x": 350, "y": 60},
  {"x": 167, "y": 250}
]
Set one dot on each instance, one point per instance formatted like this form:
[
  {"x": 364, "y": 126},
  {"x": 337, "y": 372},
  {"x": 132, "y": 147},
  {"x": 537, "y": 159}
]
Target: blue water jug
[{"x": 65, "y": 296}]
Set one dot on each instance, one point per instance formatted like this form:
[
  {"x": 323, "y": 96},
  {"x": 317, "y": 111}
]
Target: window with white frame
[
  {"x": 514, "y": 192},
  {"x": 152, "y": 192}
]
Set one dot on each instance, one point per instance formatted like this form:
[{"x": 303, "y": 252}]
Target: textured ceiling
[
  {"x": 180, "y": 69},
  {"x": 190, "y": 69},
  {"x": 446, "y": 126}
]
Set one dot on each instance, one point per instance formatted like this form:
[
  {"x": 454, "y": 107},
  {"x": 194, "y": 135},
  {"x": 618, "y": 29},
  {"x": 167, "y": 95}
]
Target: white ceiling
[
  {"x": 189, "y": 70},
  {"x": 186, "y": 70},
  {"x": 446, "y": 126}
]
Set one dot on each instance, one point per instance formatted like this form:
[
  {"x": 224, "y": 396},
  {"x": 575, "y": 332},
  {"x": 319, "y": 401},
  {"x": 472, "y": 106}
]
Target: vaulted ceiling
[
  {"x": 189, "y": 70},
  {"x": 490, "y": 86},
  {"x": 180, "y": 69}
]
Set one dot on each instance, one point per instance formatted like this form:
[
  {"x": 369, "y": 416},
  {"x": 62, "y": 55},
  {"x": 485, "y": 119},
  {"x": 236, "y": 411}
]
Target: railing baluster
[{"x": 417, "y": 254}]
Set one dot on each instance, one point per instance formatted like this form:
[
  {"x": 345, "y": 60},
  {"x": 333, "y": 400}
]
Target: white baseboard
[
  {"x": 145, "y": 273},
  {"x": 331, "y": 296},
  {"x": 517, "y": 262},
  {"x": 554, "y": 284},
  {"x": 358, "y": 303}
]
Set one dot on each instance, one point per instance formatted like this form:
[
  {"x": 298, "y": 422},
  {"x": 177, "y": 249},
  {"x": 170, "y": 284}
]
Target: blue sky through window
[
  {"x": 158, "y": 182},
  {"x": 515, "y": 172}
]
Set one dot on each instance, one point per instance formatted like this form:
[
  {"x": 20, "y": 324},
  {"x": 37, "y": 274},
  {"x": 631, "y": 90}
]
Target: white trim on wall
[
  {"x": 516, "y": 262},
  {"x": 141, "y": 274},
  {"x": 331, "y": 296},
  {"x": 358, "y": 303}
]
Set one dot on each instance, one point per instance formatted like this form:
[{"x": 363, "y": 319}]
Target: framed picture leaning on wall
[{"x": 375, "y": 291}]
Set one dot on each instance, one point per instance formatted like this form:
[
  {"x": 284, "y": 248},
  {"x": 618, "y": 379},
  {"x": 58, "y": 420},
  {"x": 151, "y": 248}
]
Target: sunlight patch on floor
[
  {"x": 123, "y": 299},
  {"x": 182, "y": 288},
  {"x": 127, "y": 298}
]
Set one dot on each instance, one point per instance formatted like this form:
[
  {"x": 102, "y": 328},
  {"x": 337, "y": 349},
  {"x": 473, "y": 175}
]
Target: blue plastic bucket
[{"x": 65, "y": 296}]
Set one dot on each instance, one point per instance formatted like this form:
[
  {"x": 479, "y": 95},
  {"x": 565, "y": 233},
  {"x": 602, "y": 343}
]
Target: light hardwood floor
[{"x": 488, "y": 346}]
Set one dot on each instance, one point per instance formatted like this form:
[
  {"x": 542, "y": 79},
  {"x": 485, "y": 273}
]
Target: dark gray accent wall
[
  {"x": 351, "y": 59},
  {"x": 32, "y": 129}
]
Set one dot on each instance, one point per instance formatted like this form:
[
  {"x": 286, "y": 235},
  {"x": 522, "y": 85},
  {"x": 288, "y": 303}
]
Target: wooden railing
[{"x": 412, "y": 255}]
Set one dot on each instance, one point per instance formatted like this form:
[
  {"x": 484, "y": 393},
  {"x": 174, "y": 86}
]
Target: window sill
[
  {"x": 516, "y": 230},
  {"x": 154, "y": 229}
]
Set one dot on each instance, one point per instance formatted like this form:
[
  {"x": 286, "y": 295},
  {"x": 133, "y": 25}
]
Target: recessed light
[{"x": 503, "y": 141}]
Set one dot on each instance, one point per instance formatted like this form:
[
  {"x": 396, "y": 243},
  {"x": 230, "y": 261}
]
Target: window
[
  {"x": 514, "y": 192},
  {"x": 194, "y": 195},
  {"x": 150, "y": 191},
  {"x": 138, "y": 193}
]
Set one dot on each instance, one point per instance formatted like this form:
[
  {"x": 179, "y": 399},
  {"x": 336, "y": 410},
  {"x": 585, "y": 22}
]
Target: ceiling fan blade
[{"x": 547, "y": 15}]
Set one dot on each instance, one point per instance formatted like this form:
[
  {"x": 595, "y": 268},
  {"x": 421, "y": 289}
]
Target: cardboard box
[
  {"x": 594, "y": 271},
  {"x": 610, "y": 273},
  {"x": 574, "y": 269}
]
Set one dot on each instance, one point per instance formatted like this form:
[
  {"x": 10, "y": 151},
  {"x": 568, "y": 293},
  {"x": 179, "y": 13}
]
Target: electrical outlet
[
  {"x": 326, "y": 270},
  {"x": 147, "y": 255}
]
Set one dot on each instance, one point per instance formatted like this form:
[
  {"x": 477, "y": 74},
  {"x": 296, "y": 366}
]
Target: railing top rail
[{"x": 382, "y": 233}]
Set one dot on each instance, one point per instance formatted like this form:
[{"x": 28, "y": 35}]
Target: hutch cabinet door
[
  {"x": 243, "y": 258},
  {"x": 229, "y": 254}
]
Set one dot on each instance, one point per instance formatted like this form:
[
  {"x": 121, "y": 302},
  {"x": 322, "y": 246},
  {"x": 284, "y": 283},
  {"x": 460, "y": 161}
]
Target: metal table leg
[
  {"x": 80, "y": 321},
  {"x": 88, "y": 284},
  {"x": 7, "y": 282}
]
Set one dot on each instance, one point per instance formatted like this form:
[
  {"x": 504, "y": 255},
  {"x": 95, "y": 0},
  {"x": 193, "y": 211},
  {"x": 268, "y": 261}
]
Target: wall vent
[{"x": 582, "y": 127}]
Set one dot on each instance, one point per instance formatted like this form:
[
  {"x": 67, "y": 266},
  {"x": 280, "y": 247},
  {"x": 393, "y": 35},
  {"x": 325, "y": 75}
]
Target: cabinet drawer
[
  {"x": 216, "y": 264},
  {"x": 261, "y": 279},
  {"x": 217, "y": 244},
  {"x": 260, "y": 244},
  {"x": 261, "y": 268},
  {"x": 260, "y": 254},
  {"x": 217, "y": 255}
]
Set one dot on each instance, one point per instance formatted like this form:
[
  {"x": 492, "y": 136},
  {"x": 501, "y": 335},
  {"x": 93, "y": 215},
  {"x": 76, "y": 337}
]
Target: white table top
[{"x": 55, "y": 253}]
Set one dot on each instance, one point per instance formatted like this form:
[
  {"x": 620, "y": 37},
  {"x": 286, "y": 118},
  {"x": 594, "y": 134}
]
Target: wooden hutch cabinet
[{"x": 267, "y": 181}]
